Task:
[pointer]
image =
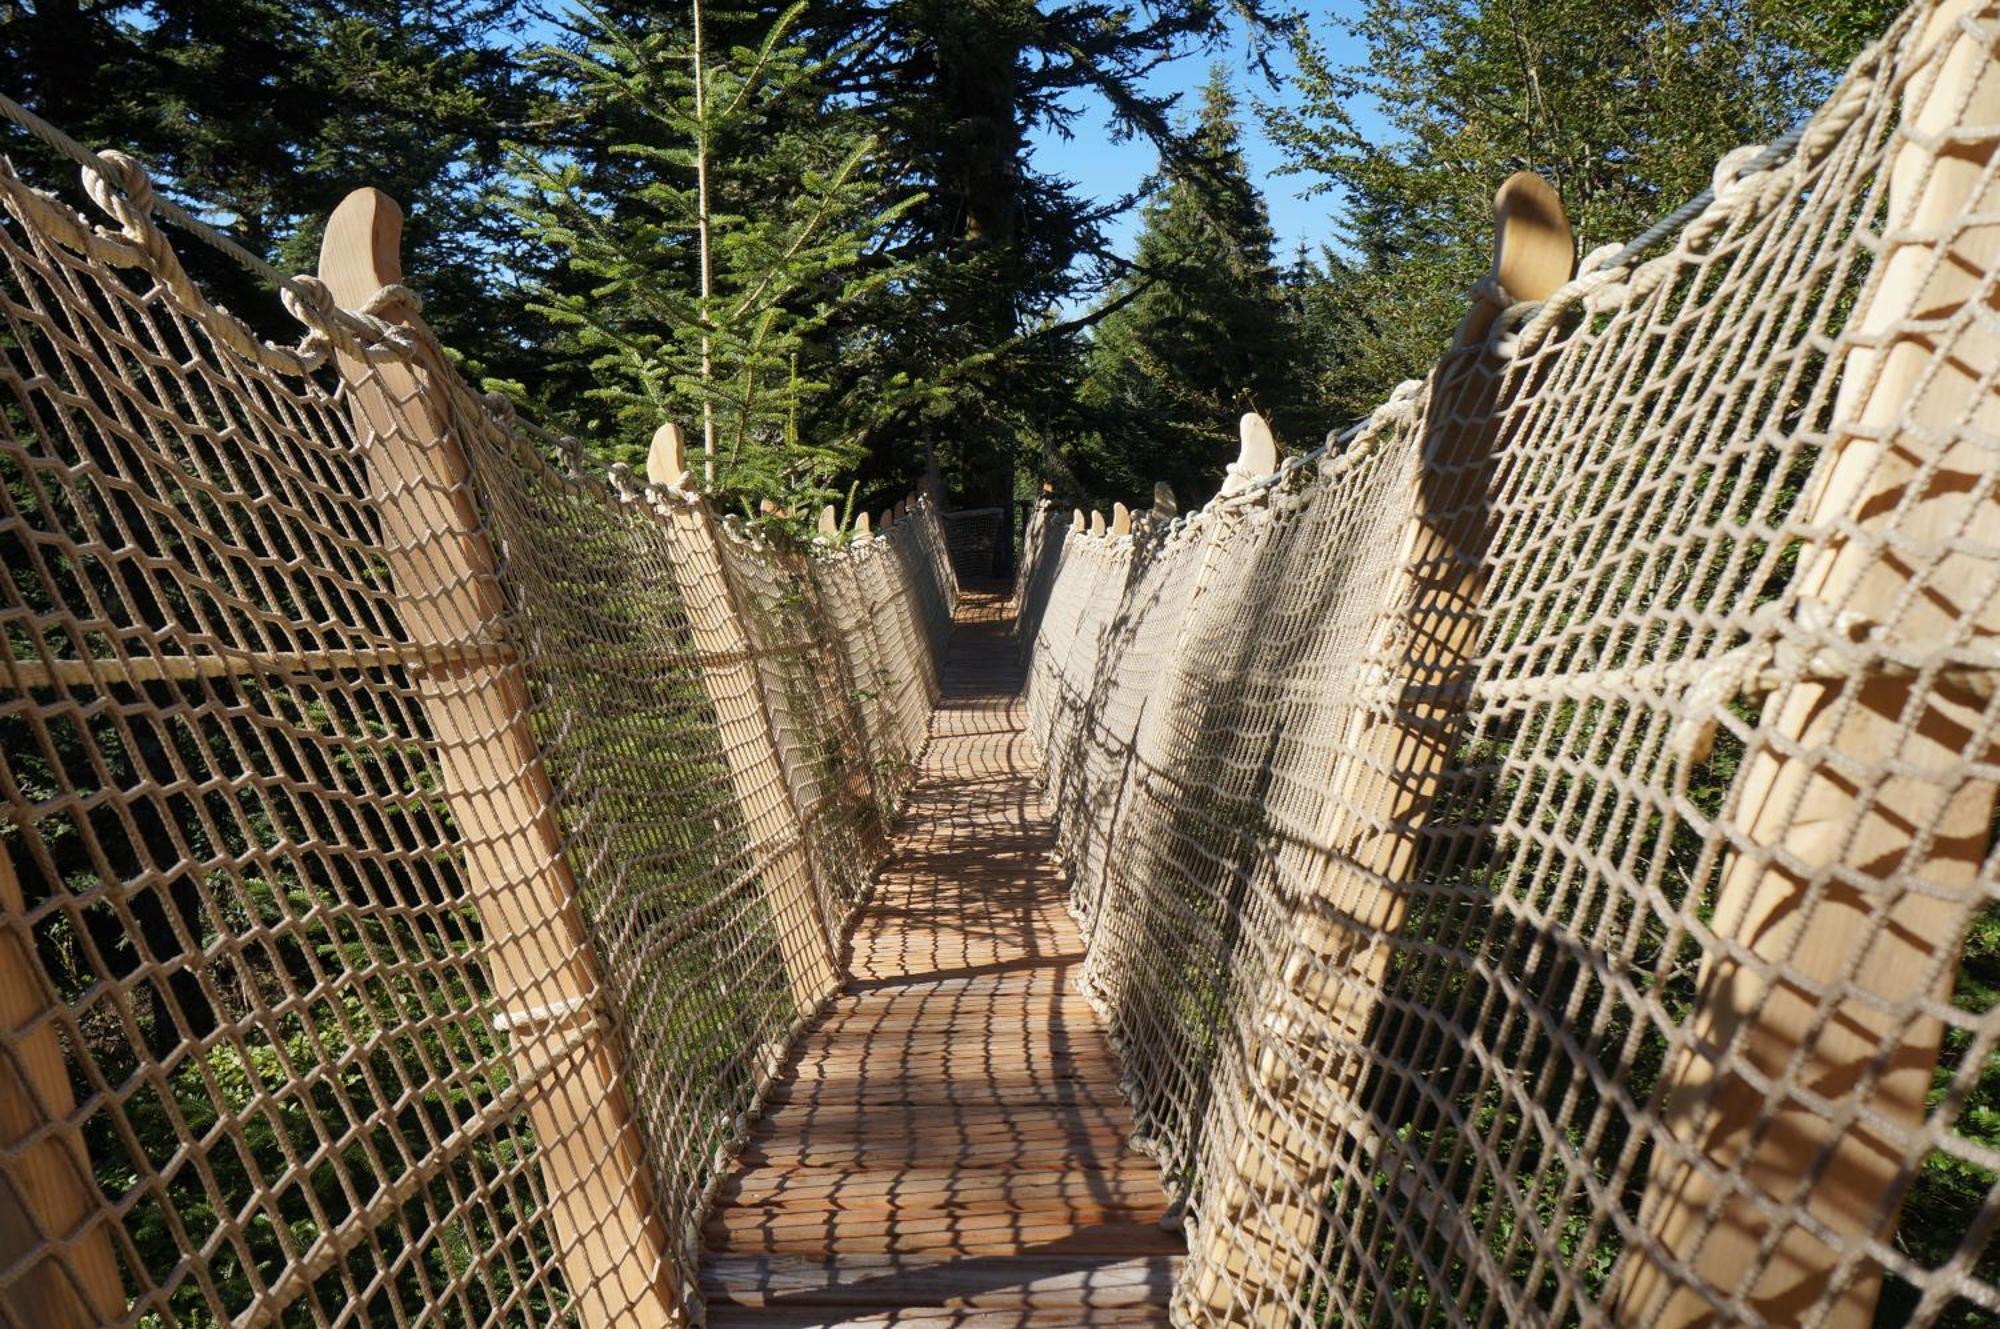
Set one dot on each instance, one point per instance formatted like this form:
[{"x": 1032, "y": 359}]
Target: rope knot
[
  {"x": 122, "y": 172},
  {"x": 393, "y": 299},
  {"x": 1735, "y": 167},
  {"x": 1488, "y": 290},
  {"x": 309, "y": 299}
]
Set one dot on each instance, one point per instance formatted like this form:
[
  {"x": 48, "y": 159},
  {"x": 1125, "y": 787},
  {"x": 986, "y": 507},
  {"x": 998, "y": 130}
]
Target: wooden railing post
[
  {"x": 1801, "y": 1078},
  {"x": 749, "y": 745},
  {"x": 50, "y": 1208},
  {"x": 1259, "y": 1222},
  {"x": 614, "y": 1251},
  {"x": 1256, "y": 458}
]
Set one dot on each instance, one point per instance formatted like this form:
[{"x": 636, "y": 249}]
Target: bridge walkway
[{"x": 948, "y": 1145}]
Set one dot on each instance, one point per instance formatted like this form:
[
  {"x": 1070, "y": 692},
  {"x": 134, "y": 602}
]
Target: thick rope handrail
[{"x": 119, "y": 185}]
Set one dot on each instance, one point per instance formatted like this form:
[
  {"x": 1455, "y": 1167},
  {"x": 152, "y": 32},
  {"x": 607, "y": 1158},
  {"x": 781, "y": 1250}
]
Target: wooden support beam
[
  {"x": 1803, "y": 1075},
  {"x": 1259, "y": 1224},
  {"x": 615, "y": 1253},
  {"x": 774, "y": 822},
  {"x": 51, "y": 1212}
]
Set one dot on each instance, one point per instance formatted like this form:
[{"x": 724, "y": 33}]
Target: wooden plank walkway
[{"x": 949, "y": 1146}]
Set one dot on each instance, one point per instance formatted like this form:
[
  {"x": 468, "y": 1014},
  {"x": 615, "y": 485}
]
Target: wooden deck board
[{"x": 948, "y": 1146}]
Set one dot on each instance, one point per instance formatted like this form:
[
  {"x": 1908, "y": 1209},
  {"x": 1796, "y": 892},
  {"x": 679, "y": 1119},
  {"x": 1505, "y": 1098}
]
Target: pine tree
[
  {"x": 710, "y": 249},
  {"x": 972, "y": 366},
  {"x": 1200, "y": 332}
]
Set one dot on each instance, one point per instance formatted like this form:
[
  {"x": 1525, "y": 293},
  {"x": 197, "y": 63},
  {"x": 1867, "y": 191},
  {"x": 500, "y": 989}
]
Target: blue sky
[{"x": 1105, "y": 170}]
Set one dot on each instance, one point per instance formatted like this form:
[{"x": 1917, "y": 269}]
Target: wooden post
[
  {"x": 749, "y": 746},
  {"x": 1260, "y": 1222},
  {"x": 829, "y": 523},
  {"x": 862, "y": 528},
  {"x": 1096, "y": 522},
  {"x": 614, "y": 1250},
  {"x": 1076, "y": 521},
  {"x": 1862, "y": 786},
  {"x": 1256, "y": 454},
  {"x": 51, "y": 1212}
]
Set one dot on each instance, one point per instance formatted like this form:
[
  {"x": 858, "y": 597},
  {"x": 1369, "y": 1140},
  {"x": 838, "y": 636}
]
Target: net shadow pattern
[
  {"x": 1448, "y": 816},
  {"x": 263, "y": 1059}
]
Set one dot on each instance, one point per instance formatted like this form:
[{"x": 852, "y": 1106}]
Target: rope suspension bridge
[{"x": 1530, "y": 862}]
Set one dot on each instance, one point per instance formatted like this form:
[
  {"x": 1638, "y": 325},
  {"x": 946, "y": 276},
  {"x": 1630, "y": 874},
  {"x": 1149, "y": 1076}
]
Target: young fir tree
[
  {"x": 1199, "y": 333},
  {"x": 708, "y": 250},
  {"x": 1625, "y": 109}
]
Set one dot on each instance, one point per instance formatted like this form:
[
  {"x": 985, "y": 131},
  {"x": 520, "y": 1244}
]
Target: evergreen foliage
[
  {"x": 263, "y": 114},
  {"x": 1625, "y": 109},
  {"x": 1199, "y": 332},
  {"x": 711, "y": 248},
  {"x": 985, "y": 370}
]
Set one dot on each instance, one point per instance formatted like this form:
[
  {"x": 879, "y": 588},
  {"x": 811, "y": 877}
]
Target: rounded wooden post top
[
  {"x": 1534, "y": 252},
  {"x": 1096, "y": 522},
  {"x": 1076, "y": 520},
  {"x": 829, "y": 522},
  {"x": 1256, "y": 453},
  {"x": 666, "y": 459},
  {"x": 862, "y": 526},
  {"x": 362, "y": 249},
  {"x": 1257, "y": 447},
  {"x": 1121, "y": 519}
]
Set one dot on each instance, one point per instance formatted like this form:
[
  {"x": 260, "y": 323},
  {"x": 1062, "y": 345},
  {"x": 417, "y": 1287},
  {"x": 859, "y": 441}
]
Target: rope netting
[
  {"x": 1538, "y": 861},
  {"x": 420, "y": 853}
]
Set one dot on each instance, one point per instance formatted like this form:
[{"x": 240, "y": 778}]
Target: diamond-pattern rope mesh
[
  {"x": 1538, "y": 860},
  {"x": 392, "y": 927}
]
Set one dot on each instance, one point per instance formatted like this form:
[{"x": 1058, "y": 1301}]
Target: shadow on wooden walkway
[{"x": 948, "y": 1145}]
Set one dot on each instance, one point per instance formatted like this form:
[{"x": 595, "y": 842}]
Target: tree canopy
[{"x": 820, "y": 235}]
